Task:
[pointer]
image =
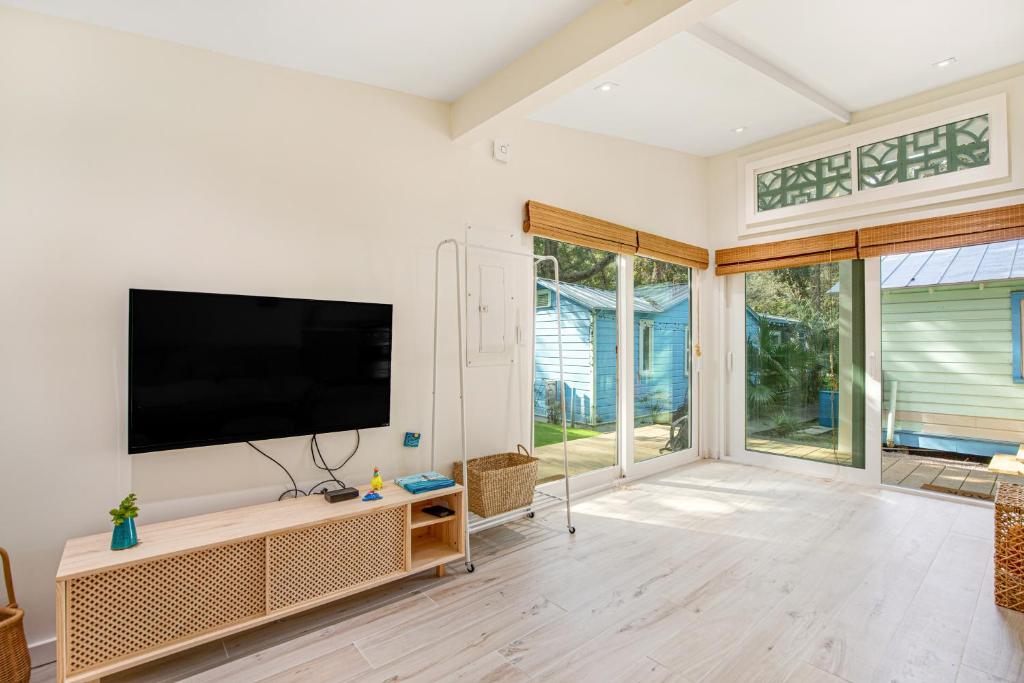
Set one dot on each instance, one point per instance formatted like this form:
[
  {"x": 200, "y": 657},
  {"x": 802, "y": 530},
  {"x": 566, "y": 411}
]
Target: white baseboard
[{"x": 43, "y": 652}]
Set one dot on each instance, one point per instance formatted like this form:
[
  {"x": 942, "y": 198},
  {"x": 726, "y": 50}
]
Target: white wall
[{"x": 127, "y": 162}]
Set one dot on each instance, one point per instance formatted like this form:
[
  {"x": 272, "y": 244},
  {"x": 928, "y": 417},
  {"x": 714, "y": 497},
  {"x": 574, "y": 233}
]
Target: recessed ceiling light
[
  {"x": 943, "y": 63},
  {"x": 739, "y": 130},
  {"x": 606, "y": 87}
]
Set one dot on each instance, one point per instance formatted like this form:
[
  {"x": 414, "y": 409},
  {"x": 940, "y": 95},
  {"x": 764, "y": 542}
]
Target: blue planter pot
[
  {"x": 124, "y": 535},
  {"x": 828, "y": 406}
]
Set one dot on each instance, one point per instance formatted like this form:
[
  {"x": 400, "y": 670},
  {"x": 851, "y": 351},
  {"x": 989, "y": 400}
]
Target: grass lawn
[{"x": 545, "y": 433}]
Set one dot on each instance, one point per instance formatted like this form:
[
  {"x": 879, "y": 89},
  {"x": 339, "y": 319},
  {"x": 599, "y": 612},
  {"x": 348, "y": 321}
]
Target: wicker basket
[
  {"x": 1009, "y": 550},
  {"x": 15, "y": 666},
  {"x": 500, "y": 483}
]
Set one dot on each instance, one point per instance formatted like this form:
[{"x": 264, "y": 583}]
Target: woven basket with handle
[
  {"x": 501, "y": 482},
  {"x": 15, "y": 665}
]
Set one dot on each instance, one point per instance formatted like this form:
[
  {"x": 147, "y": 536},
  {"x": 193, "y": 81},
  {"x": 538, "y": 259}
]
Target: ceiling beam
[
  {"x": 745, "y": 56},
  {"x": 605, "y": 36}
]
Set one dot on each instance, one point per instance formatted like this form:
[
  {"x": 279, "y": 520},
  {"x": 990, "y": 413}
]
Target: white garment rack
[{"x": 541, "y": 499}]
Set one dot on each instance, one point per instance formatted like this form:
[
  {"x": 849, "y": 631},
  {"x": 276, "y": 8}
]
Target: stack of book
[{"x": 423, "y": 482}]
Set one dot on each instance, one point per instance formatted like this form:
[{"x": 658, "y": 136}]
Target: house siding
[
  {"x": 589, "y": 350},
  {"x": 668, "y": 382},
  {"x": 950, "y": 350},
  {"x": 607, "y": 339},
  {"x": 577, "y": 354}
]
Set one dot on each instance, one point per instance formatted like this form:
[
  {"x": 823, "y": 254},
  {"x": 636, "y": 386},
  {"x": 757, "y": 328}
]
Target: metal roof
[
  {"x": 978, "y": 263},
  {"x": 646, "y": 299}
]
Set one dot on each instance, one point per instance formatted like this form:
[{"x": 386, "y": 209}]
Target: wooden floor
[
  {"x": 711, "y": 572},
  {"x": 971, "y": 479}
]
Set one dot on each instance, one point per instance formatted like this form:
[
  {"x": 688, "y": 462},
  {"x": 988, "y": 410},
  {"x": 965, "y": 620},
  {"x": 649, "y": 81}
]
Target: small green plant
[
  {"x": 126, "y": 510},
  {"x": 784, "y": 425}
]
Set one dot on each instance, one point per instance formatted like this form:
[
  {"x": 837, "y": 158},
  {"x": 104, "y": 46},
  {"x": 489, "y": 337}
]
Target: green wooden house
[{"x": 952, "y": 349}]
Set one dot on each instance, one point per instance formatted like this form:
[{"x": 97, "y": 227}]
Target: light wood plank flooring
[{"x": 711, "y": 572}]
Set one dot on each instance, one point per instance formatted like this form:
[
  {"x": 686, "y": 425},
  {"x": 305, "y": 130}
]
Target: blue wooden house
[{"x": 660, "y": 343}]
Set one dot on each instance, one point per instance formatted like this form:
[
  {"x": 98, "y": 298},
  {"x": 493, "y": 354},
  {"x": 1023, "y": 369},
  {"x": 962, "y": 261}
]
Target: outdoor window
[
  {"x": 589, "y": 343},
  {"x": 805, "y": 362},
  {"x": 646, "y": 347},
  {"x": 661, "y": 387},
  {"x": 1016, "y": 316}
]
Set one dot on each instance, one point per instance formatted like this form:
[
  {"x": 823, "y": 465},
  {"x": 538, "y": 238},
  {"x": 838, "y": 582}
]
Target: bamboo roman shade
[
  {"x": 836, "y": 246},
  {"x": 665, "y": 249},
  {"x": 543, "y": 220},
  {"x": 960, "y": 230}
]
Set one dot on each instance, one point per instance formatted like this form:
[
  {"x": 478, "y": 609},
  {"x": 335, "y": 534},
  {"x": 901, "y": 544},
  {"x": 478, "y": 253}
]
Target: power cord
[
  {"x": 314, "y": 451},
  {"x": 295, "y": 487}
]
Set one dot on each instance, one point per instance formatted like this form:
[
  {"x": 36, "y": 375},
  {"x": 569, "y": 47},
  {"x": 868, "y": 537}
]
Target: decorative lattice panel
[
  {"x": 319, "y": 561},
  {"x": 805, "y": 182},
  {"x": 125, "y": 611},
  {"x": 1009, "y": 542},
  {"x": 944, "y": 149}
]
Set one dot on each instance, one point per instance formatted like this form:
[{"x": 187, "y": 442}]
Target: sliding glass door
[
  {"x": 653, "y": 392},
  {"x": 661, "y": 358},
  {"x": 589, "y": 325},
  {"x": 804, "y": 371}
]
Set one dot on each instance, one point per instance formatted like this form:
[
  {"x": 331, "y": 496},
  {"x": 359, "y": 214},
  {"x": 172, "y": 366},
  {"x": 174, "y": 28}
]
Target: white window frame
[
  {"x": 735, "y": 402},
  {"x": 631, "y": 469},
  {"x": 625, "y": 409},
  {"x": 645, "y": 329},
  {"x": 973, "y": 182}
]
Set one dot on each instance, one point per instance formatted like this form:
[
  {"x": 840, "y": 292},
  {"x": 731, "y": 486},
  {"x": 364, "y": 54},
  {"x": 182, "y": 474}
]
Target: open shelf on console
[
  {"x": 430, "y": 553},
  {"x": 421, "y": 519},
  {"x": 436, "y": 540}
]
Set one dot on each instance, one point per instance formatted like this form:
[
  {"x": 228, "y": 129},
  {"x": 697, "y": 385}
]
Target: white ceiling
[
  {"x": 435, "y": 48},
  {"x": 687, "y": 96},
  {"x": 869, "y": 52},
  {"x": 684, "y": 95}
]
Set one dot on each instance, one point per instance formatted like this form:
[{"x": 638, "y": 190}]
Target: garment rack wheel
[{"x": 470, "y": 567}]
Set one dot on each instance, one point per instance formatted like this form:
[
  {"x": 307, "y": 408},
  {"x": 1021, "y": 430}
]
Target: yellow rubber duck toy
[{"x": 376, "y": 486}]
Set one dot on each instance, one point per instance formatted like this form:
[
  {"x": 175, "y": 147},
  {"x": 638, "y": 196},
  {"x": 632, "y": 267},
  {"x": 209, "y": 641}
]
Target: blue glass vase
[{"x": 124, "y": 535}]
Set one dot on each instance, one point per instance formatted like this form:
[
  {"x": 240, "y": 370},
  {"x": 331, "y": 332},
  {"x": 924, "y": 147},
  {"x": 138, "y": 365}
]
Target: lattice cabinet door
[
  {"x": 126, "y": 611},
  {"x": 324, "y": 560}
]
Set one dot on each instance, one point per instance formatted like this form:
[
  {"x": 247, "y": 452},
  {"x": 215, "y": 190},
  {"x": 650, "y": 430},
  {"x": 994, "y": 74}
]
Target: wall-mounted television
[{"x": 208, "y": 369}]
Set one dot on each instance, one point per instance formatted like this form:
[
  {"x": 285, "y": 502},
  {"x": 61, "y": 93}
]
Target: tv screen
[{"x": 214, "y": 368}]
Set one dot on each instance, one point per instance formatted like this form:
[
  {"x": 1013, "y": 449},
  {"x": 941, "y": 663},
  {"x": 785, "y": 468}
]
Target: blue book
[{"x": 423, "y": 482}]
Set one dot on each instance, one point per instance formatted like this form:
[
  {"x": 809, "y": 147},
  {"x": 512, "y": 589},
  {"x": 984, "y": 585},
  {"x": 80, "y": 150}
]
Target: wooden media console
[{"x": 193, "y": 580}]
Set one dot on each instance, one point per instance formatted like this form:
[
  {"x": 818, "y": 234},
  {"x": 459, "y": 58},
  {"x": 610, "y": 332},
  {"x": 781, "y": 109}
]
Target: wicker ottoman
[{"x": 1009, "y": 541}]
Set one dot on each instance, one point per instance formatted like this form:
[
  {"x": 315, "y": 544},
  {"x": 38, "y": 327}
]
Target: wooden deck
[
  {"x": 598, "y": 452},
  {"x": 798, "y": 450},
  {"x": 945, "y": 476}
]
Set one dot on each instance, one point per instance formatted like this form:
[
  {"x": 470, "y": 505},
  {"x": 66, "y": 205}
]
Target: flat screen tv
[{"x": 209, "y": 369}]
